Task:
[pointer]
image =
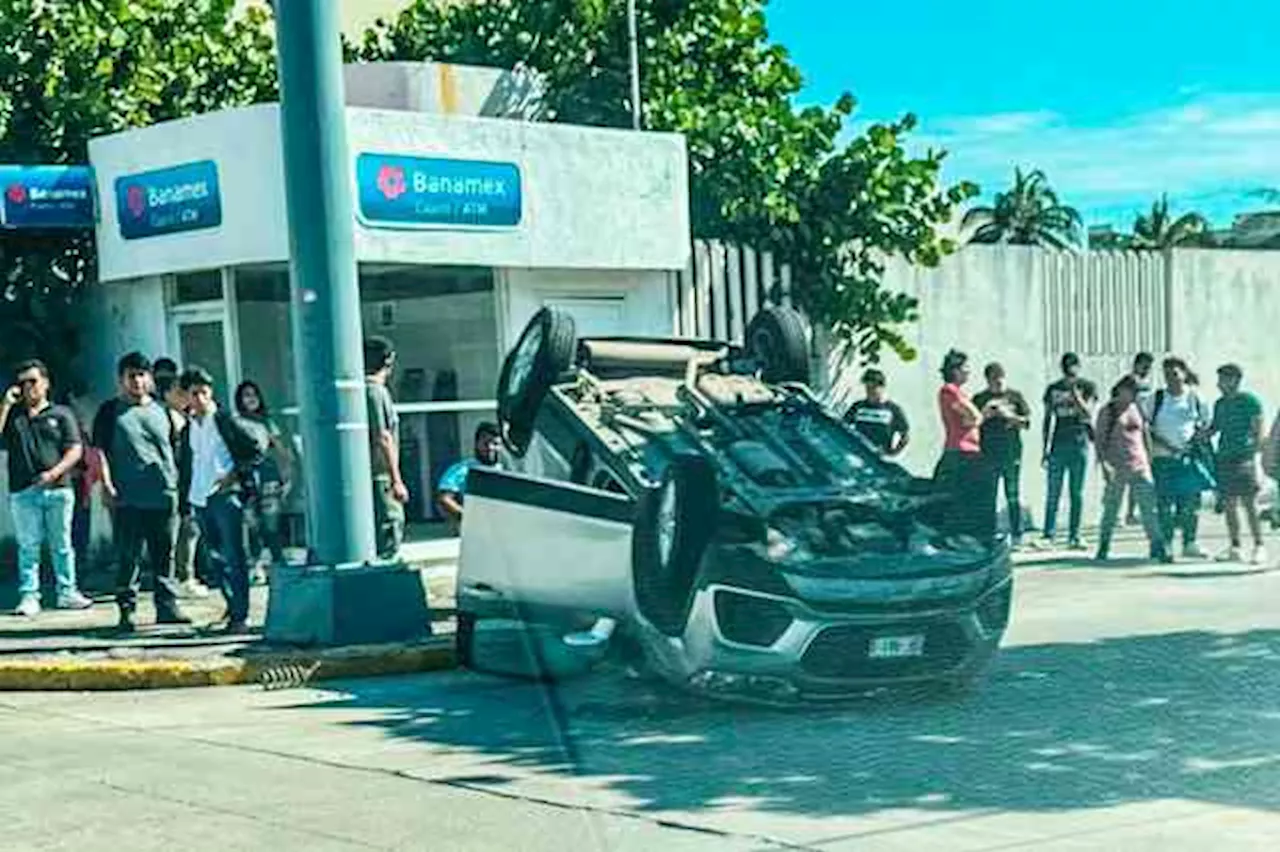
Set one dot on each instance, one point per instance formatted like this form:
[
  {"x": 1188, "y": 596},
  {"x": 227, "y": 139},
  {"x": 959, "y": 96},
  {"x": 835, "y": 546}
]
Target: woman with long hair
[
  {"x": 273, "y": 476},
  {"x": 962, "y": 470}
]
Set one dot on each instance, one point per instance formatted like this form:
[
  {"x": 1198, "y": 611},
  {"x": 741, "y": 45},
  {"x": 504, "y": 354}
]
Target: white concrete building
[{"x": 465, "y": 225}]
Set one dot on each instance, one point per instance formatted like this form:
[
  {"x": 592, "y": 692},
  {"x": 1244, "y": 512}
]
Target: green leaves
[{"x": 73, "y": 69}]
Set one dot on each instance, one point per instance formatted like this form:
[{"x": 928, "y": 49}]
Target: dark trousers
[
  {"x": 154, "y": 531},
  {"x": 221, "y": 523},
  {"x": 265, "y": 529},
  {"x": 970, "y": 480},
  {"x": 1008, "y": 472},
  {"x": 1068, "y": 463}
]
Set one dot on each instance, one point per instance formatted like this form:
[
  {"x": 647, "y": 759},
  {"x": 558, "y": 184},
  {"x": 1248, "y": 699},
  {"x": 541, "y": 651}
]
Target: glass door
[{"x": 200, "y": 340}]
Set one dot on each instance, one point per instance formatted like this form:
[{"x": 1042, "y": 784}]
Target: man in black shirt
[
  {"x": 43, "y": 442},
  {"x": 879, "y": 420},
  {"x": 1005, "y": 413},
  {"x": 1068, "y": 431}
]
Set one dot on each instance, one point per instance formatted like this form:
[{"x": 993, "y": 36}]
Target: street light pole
[
  {"x": 327, "y": 337},
  {"x": 634, "y": 40}
]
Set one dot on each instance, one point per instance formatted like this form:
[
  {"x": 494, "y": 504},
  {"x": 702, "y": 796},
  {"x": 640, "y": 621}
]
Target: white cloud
[{"x": 1209, "y": 150}]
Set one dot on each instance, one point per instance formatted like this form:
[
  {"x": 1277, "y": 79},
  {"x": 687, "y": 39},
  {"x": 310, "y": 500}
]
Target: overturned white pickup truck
[{"x": 696, "y": 498}]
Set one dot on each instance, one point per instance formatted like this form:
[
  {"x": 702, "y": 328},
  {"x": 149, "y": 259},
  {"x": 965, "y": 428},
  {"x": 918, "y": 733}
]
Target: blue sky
[{"x": 1117, "y": 100}]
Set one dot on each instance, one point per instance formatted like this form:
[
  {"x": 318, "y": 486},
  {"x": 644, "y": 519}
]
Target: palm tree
[
  {"x": 1159, "y": 230},
  {"x": 1028, "y": 213}
]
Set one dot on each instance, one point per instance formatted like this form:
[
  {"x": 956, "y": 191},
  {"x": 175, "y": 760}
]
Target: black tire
[
  {"x": 665, "y": 566},
  {"x": 543, "y": 352},
  {"x": 776, "y": 338}
]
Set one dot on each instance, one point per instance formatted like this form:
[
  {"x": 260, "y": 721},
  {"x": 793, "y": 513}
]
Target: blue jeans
[
  {"x": 1068, "y": 462},
  {"x": 221, "y": 523},
  {"x": 43, "y": 516}
]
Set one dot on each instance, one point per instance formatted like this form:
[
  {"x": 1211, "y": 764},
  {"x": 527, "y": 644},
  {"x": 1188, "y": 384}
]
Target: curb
[{"x": 270, "y": 669}]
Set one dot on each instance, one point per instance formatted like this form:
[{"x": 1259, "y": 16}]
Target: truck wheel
[
  {"x": 674, "y": 523},
  {"x": 542, "y": 354},
  {"x": 777, "y": 341}
]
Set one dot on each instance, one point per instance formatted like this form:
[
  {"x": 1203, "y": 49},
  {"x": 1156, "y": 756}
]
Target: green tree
[
  {"x": 1028, "y": 213},
  {"x": 763, "y": 171},
  {"x": 74, "y": 69},
  {"x": 1159, "y": 230}
]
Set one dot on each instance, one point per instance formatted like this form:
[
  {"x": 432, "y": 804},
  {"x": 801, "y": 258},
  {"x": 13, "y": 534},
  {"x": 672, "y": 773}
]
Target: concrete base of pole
[{"x": 357, "y": 605}]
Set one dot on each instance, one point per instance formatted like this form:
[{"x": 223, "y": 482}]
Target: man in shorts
[{"x": 1237, "y": 423}]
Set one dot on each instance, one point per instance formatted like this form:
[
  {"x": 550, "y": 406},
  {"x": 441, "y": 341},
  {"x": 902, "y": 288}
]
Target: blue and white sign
[
  {"x": 428, "y": 192},
  {"x": 47, "y": 197},
  {"x": 167, "y": 201}
]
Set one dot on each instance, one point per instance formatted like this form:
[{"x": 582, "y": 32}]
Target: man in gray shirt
[
  {"x": 389, "y": 491},
  {"x": 140, "y": 485}
]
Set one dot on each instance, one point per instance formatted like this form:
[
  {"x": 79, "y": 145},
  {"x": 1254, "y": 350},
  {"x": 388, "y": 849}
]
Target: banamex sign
[
  {"x": 431, "y": 192},
  {"x": 47, "y": 197},
  {"x": 168, "y": 201}
]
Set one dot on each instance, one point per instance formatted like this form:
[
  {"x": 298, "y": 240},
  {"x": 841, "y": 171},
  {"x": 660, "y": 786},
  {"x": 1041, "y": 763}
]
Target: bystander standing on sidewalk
[
  {"x": 273, "y": 478},
  {"x": 44, "y": 446},
  {"x": 1005, "y": 414},
  {"x": 187, "y": 545},
  {"x": 1237, "y": 423},
  {"x": 1123, "y": 449},
  {"x": 1179, "y": 422},
  {"x": 1068, "y": 426},
  {"x": 962, "y": 471},
  {"x": 140, "y": 485},
  {"x": 389, "y": 491},
  {"x": 1143, "y": 365},
  {"x": 879, "y": 419},
  {"x": 219, "y": 453}
]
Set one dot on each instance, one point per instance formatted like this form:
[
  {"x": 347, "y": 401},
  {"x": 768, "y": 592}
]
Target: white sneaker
[
  {"x": 29, "y": 605},
  {"x": 1231, "y": 554},
  {"x": 1259, "y": 556},
  {"x": 193, "y": 588},
  {"x": 1194, "y": 551},
  {"x": 74, "y": 600}
]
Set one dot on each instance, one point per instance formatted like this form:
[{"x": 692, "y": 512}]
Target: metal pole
[
  {"x": 635, "y": 64},
  {"x": 328, "y": 345}
]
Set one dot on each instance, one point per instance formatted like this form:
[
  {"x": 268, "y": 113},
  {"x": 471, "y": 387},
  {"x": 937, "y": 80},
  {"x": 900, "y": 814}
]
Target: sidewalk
[{"x": 81, "y": 650}]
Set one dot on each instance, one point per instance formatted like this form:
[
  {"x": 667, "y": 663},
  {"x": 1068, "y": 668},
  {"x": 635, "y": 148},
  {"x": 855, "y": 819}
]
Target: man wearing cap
[
  {"x": 877, "y": 418},
  {"x": 1005, "y": 414}
]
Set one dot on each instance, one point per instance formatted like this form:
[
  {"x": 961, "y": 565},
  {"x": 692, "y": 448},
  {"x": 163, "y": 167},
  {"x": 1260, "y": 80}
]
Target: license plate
[{"x": 886, "y": 647}]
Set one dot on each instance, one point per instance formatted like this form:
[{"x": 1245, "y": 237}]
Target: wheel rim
[
  {"x": 525, "y": 359},
  {"x": 667, "y": 523},
  {"x": 762, "y": 347}
]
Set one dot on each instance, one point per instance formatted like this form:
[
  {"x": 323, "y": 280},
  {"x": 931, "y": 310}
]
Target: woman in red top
[{"x": 962, "y": 469}]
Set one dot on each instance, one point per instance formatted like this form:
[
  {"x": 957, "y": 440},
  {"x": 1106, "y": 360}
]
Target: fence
[{"x": 723, "y": 287}]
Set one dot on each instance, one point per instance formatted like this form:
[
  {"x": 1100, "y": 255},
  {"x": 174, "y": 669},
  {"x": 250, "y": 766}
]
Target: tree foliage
[
  {"x": 763, "y": 171},
  {"x": 1160, "y": 230},
  {"x": 74, "y": 69},
  {"x": 1028, "y": 213}
]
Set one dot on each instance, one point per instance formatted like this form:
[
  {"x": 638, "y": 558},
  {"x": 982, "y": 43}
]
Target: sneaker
[
  {"x": 173, "y": 616},
  {"x": 193, "y": 588},
  {"x": 74, "y": 600},
  {"x": 1259, "y": 556},
  {"x": 1194, "y": 551},
  {"x": 1103, "y": 555},
  {"x": 1231, "y": 554},
  {"x": 236, "y": 628},
  {"x": 29, "y": 605},
  {"x": 1077, "y": 546}
]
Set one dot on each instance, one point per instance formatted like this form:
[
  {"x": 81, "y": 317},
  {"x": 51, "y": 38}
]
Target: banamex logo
[
  {"x": 16, "y": 193},
  {"x": 135, "y": 198},
  {"x": 391, "y": 182}
]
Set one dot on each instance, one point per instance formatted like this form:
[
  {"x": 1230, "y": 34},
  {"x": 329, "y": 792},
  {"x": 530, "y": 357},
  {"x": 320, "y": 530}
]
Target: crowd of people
[{"x": 1162, "y": 448}]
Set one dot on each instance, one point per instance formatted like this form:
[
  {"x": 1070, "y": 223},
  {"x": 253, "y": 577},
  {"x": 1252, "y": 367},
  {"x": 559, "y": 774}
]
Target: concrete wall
[
  {"x": 592, "y": 198},
  {"x": 1025, "y": 306}
]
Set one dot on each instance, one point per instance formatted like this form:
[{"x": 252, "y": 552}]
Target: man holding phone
[{"x": 44, "y": 447}]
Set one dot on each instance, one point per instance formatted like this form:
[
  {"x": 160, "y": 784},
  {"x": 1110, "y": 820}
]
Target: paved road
[{"x": 1134, "y": 708}]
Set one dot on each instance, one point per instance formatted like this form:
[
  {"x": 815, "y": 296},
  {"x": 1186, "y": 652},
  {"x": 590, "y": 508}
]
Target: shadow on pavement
[{"x": 1189, "y": 715}]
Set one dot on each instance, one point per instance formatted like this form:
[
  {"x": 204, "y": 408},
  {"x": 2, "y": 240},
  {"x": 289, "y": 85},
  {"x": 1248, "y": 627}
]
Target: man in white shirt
[
  {"x": 215, "y": 465},
  {"x": 1179, "y": 424}
]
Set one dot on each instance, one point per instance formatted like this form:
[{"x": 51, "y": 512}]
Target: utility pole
[
  {"x": 634, "y": 40},
  {"x": 339, "y": 597}
]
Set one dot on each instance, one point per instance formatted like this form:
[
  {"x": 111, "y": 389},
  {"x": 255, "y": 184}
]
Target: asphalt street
[{"x": 1132, "y": 708}]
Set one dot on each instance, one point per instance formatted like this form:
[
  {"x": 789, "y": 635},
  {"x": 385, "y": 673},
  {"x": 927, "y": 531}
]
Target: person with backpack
[
  {"x": 219, "y": 453},
  {"x": 139, "y": 478},
  {"x": 1124, "y": 454},
  {"x": 1238, "y": 424},
  {"x": 1180, "y": 464}
]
